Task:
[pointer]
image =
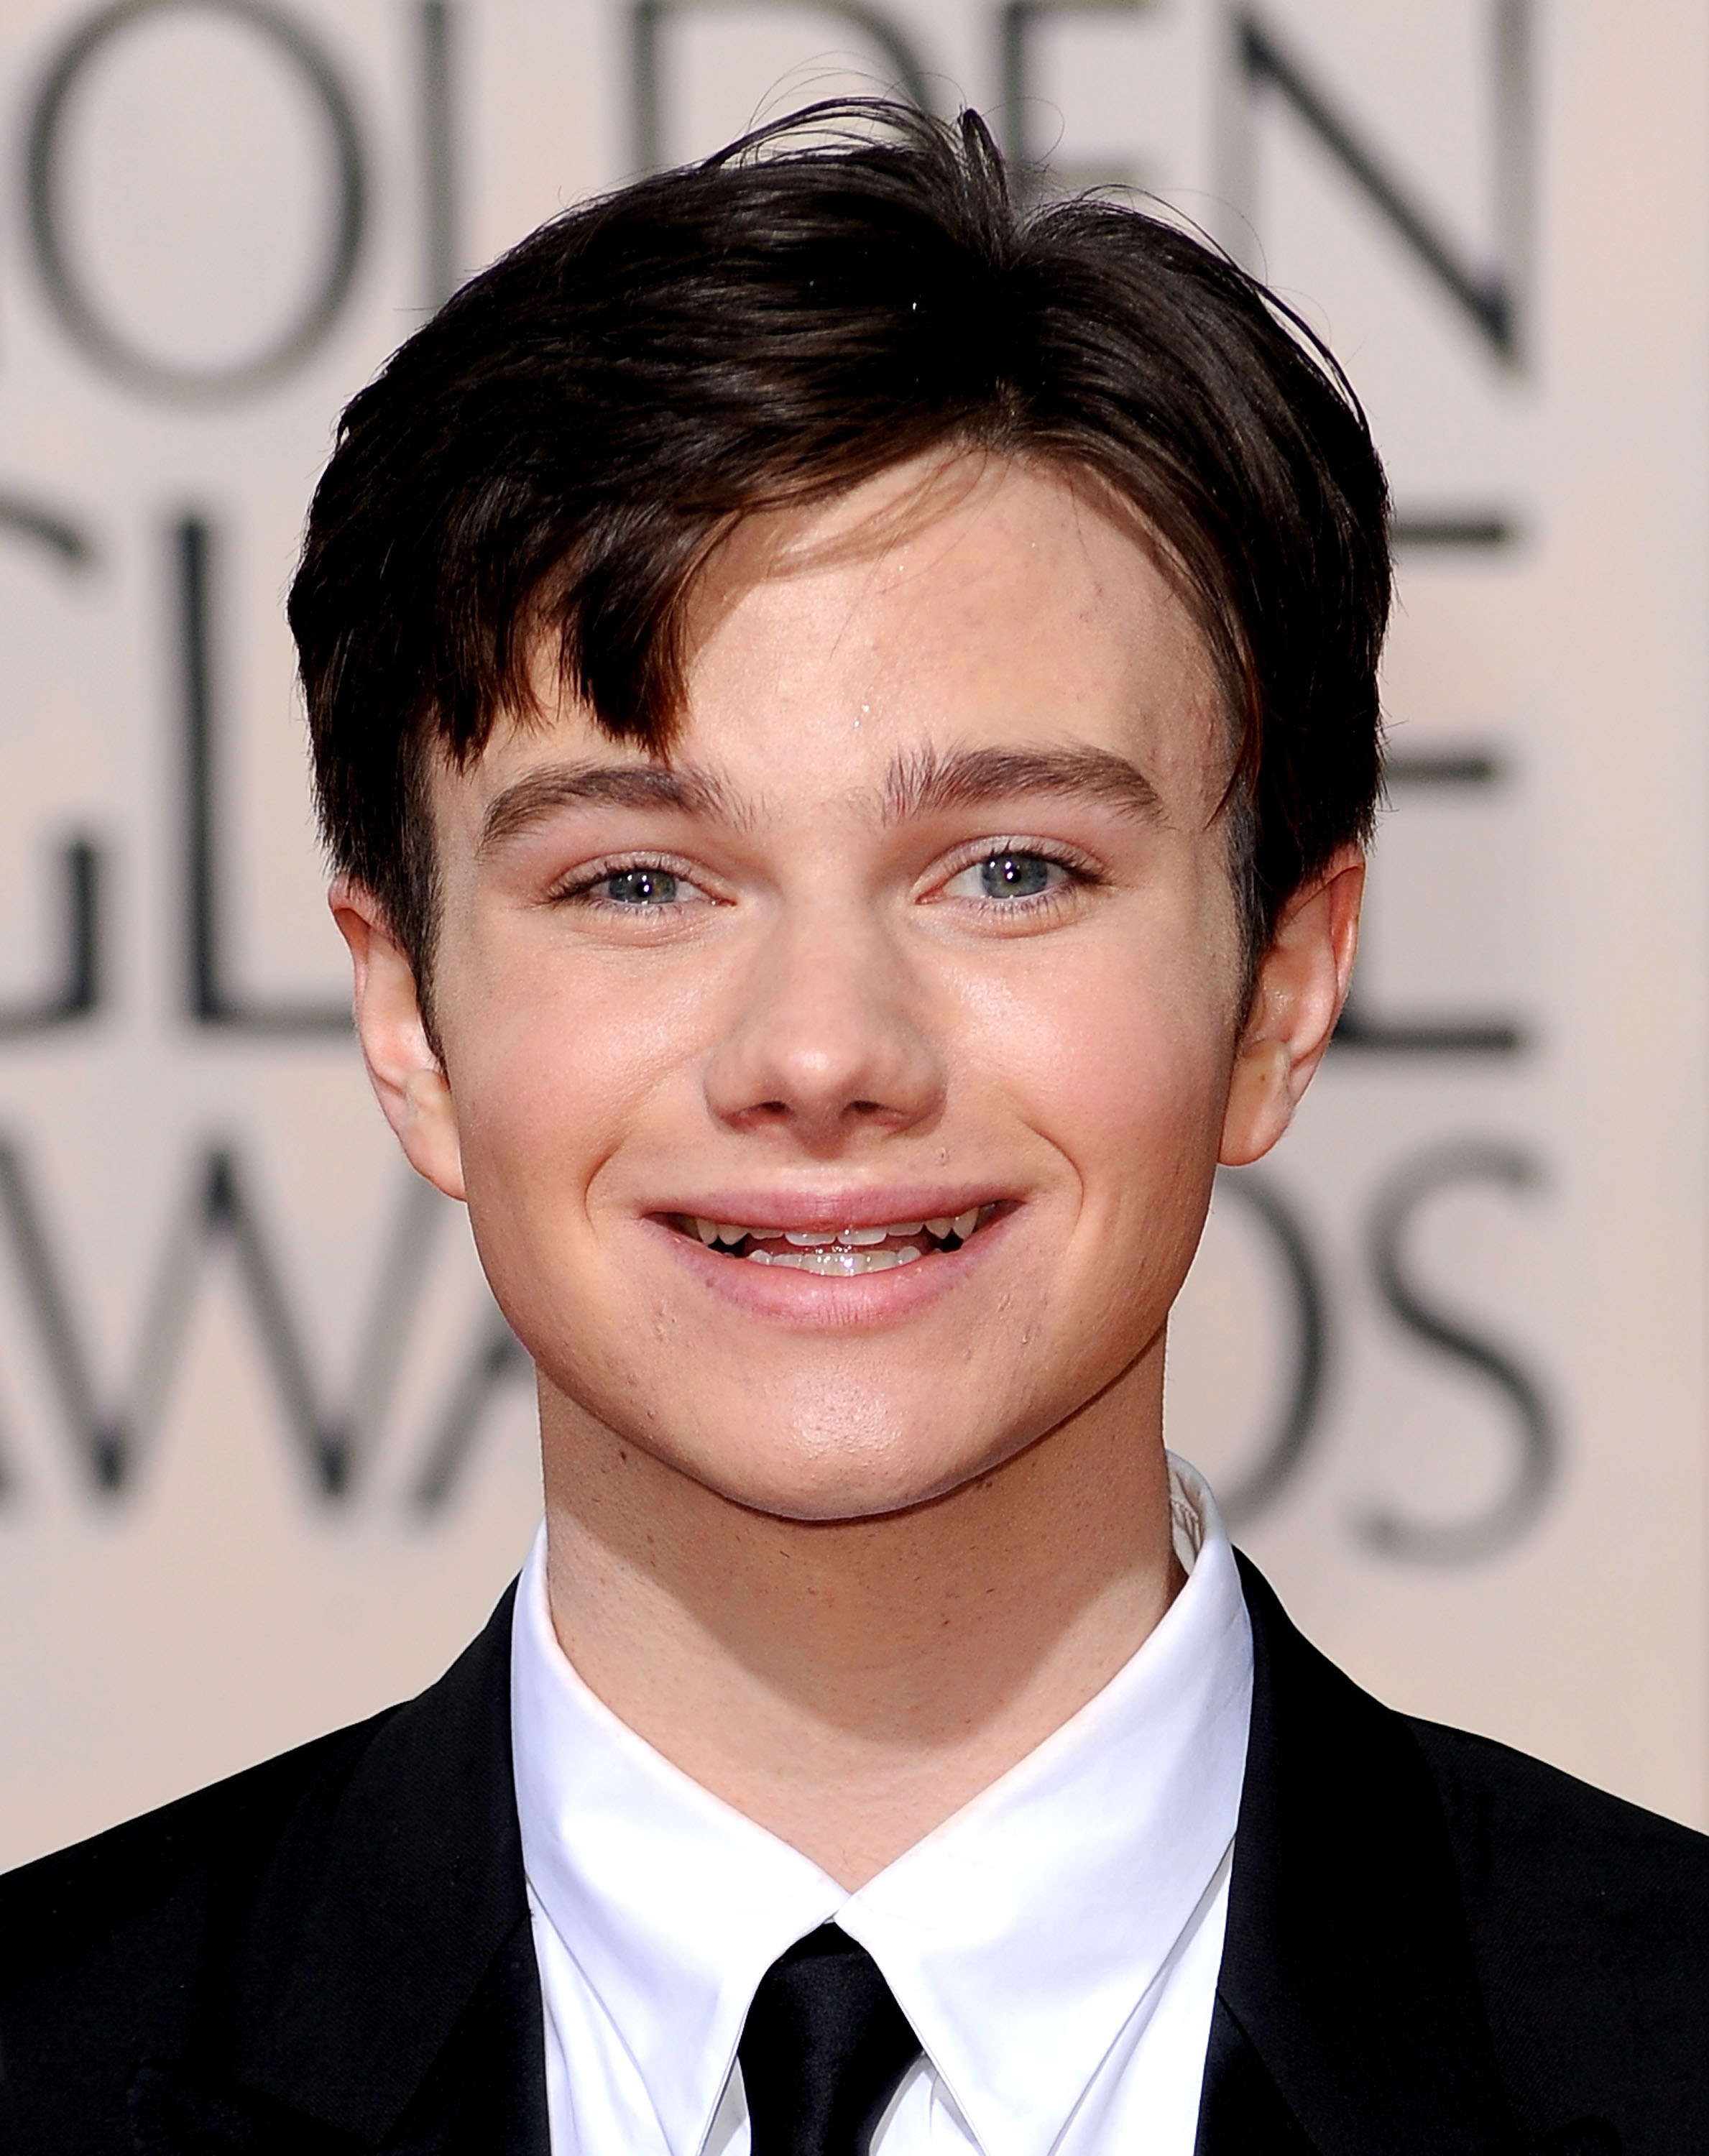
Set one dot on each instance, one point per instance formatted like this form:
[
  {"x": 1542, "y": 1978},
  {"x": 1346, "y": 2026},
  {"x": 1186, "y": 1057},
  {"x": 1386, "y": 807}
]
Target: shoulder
[
  {"x": 1574, "y": 1866},
  {"x": 311, "y": 1929},
  {"x": 1589, "y": 1920},
  {"x": 1504, "y": 1807},
  {"x": 104, "y": 1947},
  {"x": 1449, "y": 1892},
  {"x": 58, "y": 1909}
]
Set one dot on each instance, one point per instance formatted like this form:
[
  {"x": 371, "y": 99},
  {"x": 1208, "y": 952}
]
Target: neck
[{"x": 849, "y": 1685}]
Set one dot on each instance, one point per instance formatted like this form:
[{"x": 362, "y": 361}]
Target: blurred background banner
[{"x": 265, "y": 1447}]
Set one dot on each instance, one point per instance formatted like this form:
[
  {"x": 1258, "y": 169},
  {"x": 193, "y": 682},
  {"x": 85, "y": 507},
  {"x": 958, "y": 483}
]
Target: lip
[
  {"x": 820, "y": 1302},
  {"x": 827, "y": 1211}
]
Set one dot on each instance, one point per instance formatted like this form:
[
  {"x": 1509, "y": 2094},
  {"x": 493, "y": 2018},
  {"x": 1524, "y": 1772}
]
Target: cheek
[
  {"x": 1121, "y": 1028},
  {"x": 1119, "y": 1058},
  {"x": 552, "y": 1074},
  {"x": 1142, "y": 1104}
]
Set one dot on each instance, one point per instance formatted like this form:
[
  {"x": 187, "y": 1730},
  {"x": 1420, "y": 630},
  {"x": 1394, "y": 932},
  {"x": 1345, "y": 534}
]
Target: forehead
[{"x": 964, "y": 603}]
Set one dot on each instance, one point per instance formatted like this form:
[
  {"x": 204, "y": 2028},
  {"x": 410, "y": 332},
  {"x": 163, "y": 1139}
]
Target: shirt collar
[
  {"x": 1019, "y": 1937},
  {"x": 672, "y": 1903}
]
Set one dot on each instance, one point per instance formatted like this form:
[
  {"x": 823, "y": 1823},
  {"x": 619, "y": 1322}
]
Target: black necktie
[{"x": 824, "y": 2050}]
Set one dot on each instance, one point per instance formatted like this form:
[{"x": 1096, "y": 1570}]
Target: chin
[{"x": 840, "y": 1478}]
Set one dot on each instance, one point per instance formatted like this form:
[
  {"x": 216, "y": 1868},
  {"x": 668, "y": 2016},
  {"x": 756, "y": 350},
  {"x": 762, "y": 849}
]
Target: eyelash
[
  {"x": 581, "y": 885},
  {"x": 1083, "y": 873}
]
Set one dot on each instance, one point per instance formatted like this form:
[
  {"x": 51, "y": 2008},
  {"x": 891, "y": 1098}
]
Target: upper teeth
[{"x": 730, "y": 1233}]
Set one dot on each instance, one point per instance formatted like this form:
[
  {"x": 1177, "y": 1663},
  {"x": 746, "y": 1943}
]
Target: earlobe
[
  {"x": 406, "y": 1073},
  {"x": 1302, "y": 983}
]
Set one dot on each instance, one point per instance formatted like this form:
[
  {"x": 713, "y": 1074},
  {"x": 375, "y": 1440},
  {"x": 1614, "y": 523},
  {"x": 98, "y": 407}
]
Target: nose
[{"x": 827, "y": 1040}]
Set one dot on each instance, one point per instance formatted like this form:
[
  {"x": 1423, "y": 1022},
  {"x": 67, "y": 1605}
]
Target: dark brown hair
[{"x": 562, "y": 446}]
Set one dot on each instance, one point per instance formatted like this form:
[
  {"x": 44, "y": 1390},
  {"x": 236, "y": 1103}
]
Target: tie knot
[{"x": 824, "y": 2050}]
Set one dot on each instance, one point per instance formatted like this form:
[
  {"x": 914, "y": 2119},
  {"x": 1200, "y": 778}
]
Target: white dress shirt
[{"x": 1054, "y": 1944}]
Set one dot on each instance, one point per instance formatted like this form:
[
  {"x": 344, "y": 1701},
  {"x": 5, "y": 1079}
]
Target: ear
[
  {"x": 1302, "y": 983},
  {"x": 403, "y": 1068}
]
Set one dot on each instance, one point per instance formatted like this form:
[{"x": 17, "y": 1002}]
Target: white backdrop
[{"x": 264, "y": 1456}]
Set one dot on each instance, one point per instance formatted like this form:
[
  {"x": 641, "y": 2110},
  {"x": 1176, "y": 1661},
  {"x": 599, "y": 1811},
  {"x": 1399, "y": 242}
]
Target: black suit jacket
[{"x": 1435, "y": 1947}]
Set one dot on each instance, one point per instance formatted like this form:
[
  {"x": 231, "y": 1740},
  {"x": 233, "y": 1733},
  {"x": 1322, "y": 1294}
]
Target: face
[{"x": 837, "y": 1102}]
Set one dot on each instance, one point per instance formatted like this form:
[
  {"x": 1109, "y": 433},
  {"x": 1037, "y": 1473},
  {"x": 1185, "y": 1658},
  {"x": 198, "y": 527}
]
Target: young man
[{"x": 845, "y": 717}]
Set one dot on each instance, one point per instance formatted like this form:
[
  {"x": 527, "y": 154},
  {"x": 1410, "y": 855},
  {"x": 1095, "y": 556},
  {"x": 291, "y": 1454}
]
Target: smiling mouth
[{"x": 840, "y": 1253}]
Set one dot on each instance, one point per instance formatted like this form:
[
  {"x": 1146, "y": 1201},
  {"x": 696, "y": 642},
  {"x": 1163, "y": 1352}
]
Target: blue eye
[
  {"x": 1010, "y": 874},
  {"x": 1015, "y": 875},
  {"x": 641, "y": 887}
]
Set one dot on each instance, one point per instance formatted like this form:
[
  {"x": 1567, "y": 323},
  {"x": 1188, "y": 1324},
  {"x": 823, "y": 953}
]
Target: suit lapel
[
  {"x": 1242, "y": 2109},
  {"x": 1348, "y": 2018},
  {"x": 377, "y": 1989}
]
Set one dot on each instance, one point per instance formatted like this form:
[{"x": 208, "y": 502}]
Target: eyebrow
[
  {"x": 928, "y": 782},
  {"x": 541, "y": 793}
]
